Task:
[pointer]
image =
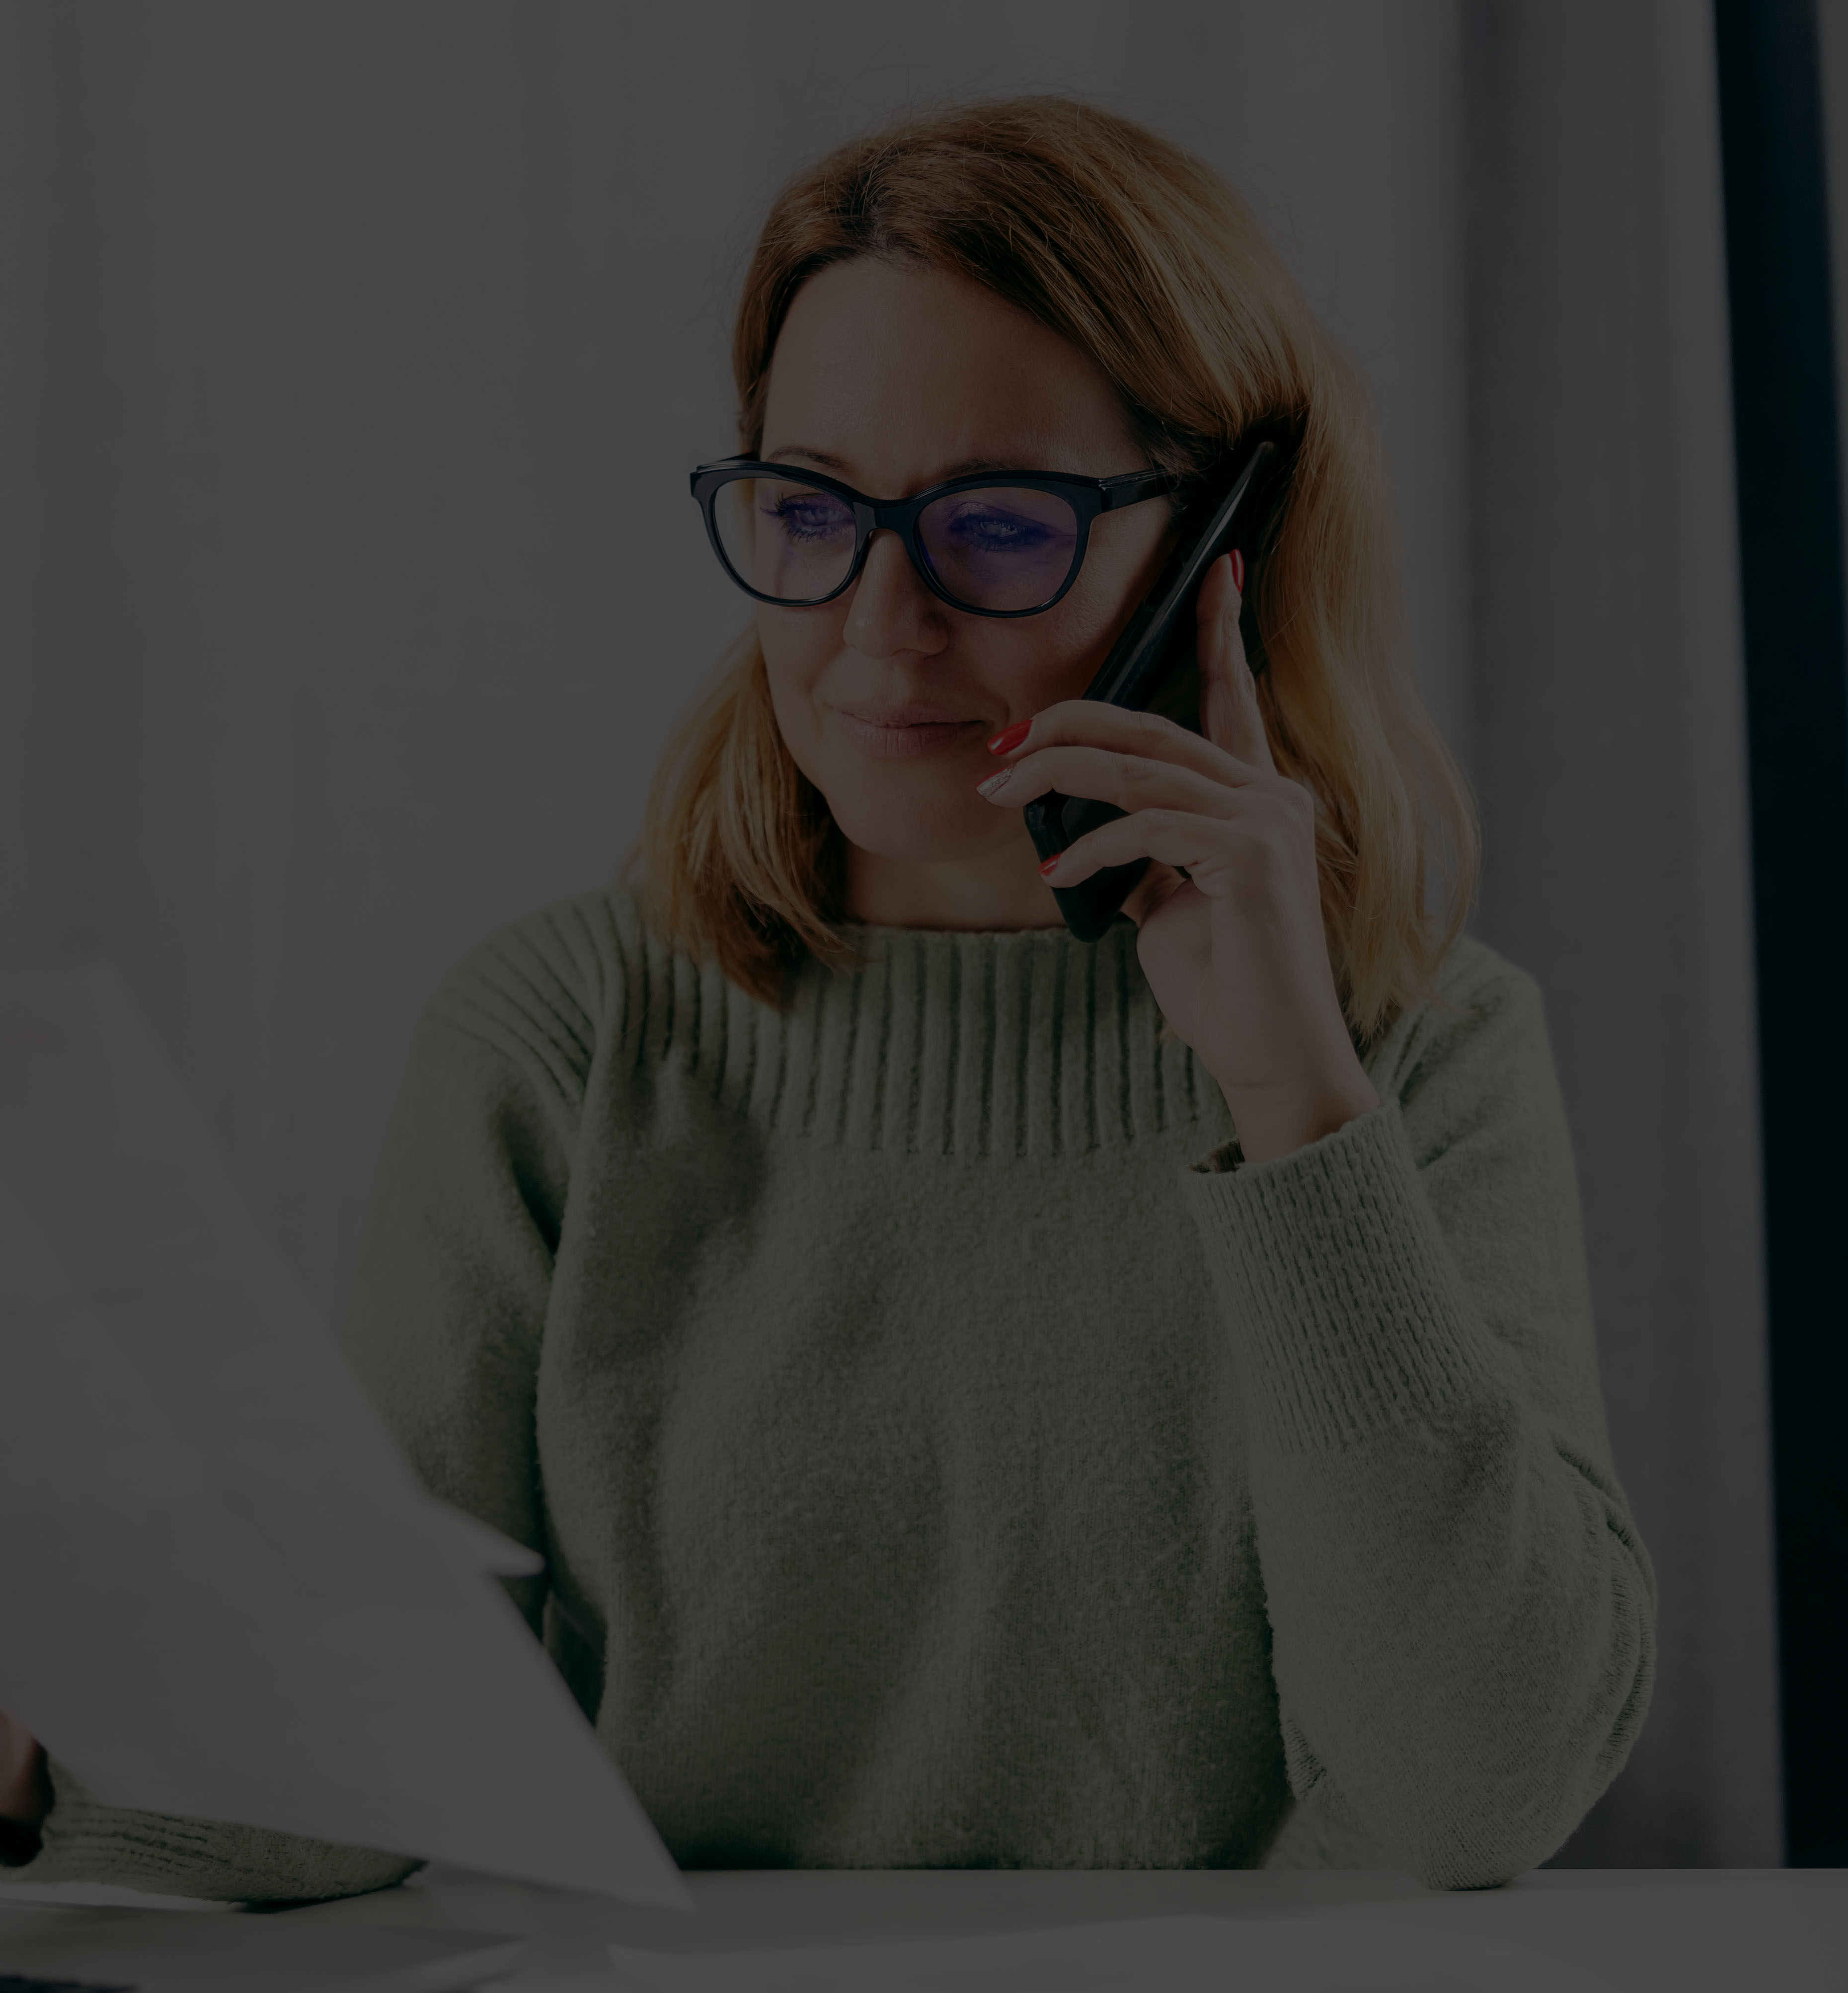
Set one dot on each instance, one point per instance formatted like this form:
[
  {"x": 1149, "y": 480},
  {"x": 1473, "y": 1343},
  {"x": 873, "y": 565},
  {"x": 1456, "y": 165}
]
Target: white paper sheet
[
  {"x": 155, "y": 1952},
  {"x": 1196, "y": 1954},
  {"x": 225, "y": 1593}
]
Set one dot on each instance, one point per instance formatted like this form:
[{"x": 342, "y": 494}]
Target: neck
[{"x": 999, "y": 892}]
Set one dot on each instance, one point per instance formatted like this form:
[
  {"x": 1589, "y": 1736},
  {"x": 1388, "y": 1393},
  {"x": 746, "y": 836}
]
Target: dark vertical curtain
[{"x": 1785, "y": 398}]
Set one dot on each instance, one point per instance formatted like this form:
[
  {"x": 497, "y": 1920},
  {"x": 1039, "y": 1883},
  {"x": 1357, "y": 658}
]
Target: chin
[{"x": 893, "y": 826}]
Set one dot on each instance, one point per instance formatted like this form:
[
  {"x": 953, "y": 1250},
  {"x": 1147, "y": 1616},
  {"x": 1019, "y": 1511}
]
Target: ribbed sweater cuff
[
  {"x": 83, "y": 1841},
  {"x": 1350, "y": 1314}
]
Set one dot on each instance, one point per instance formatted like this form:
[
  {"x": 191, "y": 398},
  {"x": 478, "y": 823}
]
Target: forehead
[{"x": 900, "y": 370}]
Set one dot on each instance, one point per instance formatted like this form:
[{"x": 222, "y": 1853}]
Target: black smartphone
[{"x": 1234, "y": 511}]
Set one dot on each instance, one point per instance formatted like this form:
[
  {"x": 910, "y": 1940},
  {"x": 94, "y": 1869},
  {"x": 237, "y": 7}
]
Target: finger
[
  {"x": 1177, "y": 838},
  {"x": 1131, "y": 781},
  {"x": 1152, "y": 891},
  {"x": 1229, "y": 712},
  {"x": 1089, "y": 722}
]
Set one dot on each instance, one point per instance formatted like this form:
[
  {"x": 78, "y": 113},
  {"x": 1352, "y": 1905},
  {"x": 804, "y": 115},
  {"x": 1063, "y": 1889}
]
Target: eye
[
  {"x": 990, "y": 528},
  {"x": 807, "y": 517}
]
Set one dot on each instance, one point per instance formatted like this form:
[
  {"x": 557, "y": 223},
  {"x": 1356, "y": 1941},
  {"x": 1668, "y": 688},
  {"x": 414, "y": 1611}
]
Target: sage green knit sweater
[{"x": 948, "y": 1452}]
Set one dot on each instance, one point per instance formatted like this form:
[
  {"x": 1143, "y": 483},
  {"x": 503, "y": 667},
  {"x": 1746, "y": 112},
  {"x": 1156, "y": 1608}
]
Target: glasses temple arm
[{"x": 1134, "y": 485}]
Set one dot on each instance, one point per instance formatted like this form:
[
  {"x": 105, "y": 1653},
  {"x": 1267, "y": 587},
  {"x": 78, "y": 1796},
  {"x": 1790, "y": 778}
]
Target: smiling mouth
[{"x": 888, "y": 739}]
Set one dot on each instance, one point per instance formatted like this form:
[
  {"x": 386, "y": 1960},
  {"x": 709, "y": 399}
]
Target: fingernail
[
  {"x": 994, "y": 782},
  {"x": 1238, "y": 570},
  {"x": 1047, "y": 865},
  {"x": 1010, "y": 737}
]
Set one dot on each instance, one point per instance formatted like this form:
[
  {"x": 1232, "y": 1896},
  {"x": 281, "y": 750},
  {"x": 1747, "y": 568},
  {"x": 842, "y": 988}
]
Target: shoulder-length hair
[{"x": 1145, "y": 261}]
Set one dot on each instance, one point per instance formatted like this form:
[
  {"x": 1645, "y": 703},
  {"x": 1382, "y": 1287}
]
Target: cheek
[
  {"x": 797, "y": 643},
  {"x": 1039, "y": 660},
  {"x": 1065, "y": 653},
  {"x": 1063, "y": 650},
  {"x": 797, "y": 646},
  {"x": 1083, "y": 642}
]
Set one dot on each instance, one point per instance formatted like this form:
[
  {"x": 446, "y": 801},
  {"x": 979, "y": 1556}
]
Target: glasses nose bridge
[
  {"x": 905, "y": 591},
  {"x": 897, "y": 516}
]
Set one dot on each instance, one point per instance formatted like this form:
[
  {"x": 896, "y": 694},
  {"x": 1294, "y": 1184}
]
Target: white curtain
[
  {"x": 1611, "y": 758},
  {"x": 351, "y": 586}
]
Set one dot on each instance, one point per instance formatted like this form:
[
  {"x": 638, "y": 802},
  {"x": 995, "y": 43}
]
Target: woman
[{"x": 985, "y": 1400}]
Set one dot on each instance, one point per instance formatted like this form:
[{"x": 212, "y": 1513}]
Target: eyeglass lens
[{"x": 991, "y": 547}]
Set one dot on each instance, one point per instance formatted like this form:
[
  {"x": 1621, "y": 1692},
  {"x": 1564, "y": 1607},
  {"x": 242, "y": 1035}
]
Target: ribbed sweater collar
[{"x": 944, "y": 1044}]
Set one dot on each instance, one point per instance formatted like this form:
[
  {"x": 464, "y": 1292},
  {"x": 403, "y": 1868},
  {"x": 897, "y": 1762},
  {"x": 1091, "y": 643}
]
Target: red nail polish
[
  {"x": 1047, "y": 865},
  {"x": 1010, "y": 737},
  {"x": 1238, "y": 570}
]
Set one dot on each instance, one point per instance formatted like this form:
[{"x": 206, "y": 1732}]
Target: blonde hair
[{"x": 1145, "y": 261}]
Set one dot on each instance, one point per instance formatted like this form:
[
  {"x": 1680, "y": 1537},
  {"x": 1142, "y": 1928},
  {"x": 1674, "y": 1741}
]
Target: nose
[{"x": 890, "y": 610}]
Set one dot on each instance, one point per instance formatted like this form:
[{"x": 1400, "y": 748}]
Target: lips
[{"x": 904, "y": 734}]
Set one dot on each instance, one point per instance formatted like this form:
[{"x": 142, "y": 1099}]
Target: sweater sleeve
[
  {"x": 455, "y": 1276},
  {"x": 83, "y": 1841},
  {"x": 1462, "y": 1613},
  {"x": 444, "y": 1329}
]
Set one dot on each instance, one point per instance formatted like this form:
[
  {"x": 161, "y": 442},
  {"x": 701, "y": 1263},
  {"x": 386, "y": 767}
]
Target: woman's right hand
[{"x": 25, "y": 1786}]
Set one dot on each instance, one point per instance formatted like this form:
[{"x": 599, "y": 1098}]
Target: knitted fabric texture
[{"x": 947, "y": 1451}]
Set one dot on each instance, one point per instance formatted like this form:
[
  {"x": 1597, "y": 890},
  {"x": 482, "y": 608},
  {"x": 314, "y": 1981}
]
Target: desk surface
[{"x": 1743, "y": 1930}]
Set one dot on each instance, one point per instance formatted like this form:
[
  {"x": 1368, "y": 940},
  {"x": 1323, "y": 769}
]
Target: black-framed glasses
[{"x": 1001, "y": 543}]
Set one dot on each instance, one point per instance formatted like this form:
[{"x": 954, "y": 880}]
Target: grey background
[{"x": 356, "y": 357}]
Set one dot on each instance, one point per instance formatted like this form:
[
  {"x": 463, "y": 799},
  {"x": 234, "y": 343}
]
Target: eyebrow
[{"x": 968, "y": 468}]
